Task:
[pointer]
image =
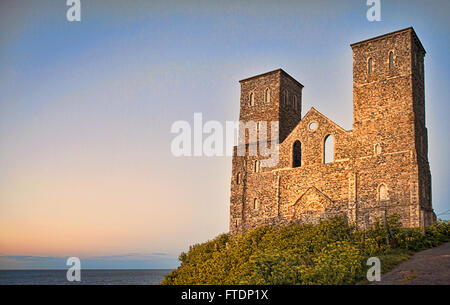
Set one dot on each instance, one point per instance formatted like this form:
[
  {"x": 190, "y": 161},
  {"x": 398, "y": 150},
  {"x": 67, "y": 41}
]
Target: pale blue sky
[{"x": 86, "y": 109}]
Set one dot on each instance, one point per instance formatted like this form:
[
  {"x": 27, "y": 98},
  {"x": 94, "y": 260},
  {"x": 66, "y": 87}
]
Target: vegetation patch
[{"x": 329, "y": 253}]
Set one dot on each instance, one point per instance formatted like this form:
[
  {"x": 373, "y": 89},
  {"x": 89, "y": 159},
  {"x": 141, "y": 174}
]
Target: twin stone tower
[{"x": 377, "y": 169}]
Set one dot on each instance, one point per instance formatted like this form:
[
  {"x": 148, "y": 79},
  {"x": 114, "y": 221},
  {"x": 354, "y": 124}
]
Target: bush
[{"x": 331, "y": 252}]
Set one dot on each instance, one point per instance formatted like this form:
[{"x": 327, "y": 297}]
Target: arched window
[
  {"x": 267, "y": 95},
  {"x": 297, "y": 154},
  {"x": 295, "y": 103},
  {"x": 377, "y": 149},
  {"x": 370, "y": 66},
  {"x": 285, "y": 97},
  {"x": 383, "y": 192},
  {"x": 255, "y": 203},
  {"x": 252, "y": 99},
  {"x": 391, "y": 61},
  {"x": 238, "y": 178},
  {"x": 328, "y": 149},
  {"x": 256, "y": 166}
]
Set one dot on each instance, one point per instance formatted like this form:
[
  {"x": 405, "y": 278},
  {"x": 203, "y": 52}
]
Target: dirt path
[{"x": 429, "y": 267}]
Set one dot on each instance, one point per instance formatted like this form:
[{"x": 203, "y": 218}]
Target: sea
[{"x": 88, "y": 277}]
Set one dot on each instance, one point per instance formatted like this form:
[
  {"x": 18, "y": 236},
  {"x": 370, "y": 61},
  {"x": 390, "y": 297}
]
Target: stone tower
[
  {"x": 389, "y": 118},
  {"x": 270, "y": 97}
]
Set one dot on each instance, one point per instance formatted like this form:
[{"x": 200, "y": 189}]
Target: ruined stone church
[{"x": 378, "y": 168}]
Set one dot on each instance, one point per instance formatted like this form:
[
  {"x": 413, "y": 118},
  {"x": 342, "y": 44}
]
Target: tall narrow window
[
  {"x": 267, "y": 95},
  {"x": 238, "y": 178},
  {"x": 297, "y": 154},
  {"x": 377, "y": 149},
  {"x": 255, "y": 204},
  {"x": 391, "y": 61},
  {"x": 252, "y": 99},
  {"x": 383, "y": 192},
  {"x": 328, "y": 149},
  {"x": 295, "y": 103},
  {"x": 285, "y": 97},
  {"x": 256, "y": 166},
  {"x": 370, "y": 66}
]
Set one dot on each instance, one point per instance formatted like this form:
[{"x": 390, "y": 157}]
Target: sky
[{"x": 86, "y": 110}]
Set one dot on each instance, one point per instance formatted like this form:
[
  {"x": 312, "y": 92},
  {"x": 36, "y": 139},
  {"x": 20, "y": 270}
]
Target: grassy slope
[{"x": 327, "y": 253}]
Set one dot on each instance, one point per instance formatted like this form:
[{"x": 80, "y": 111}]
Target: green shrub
[{"x": 331, "y": 252}]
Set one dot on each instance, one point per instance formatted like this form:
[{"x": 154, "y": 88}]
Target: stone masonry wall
[{"x": 379, "y": 168}]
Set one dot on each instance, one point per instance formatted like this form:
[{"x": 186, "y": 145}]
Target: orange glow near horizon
[{"x": 113, "y": 210}]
